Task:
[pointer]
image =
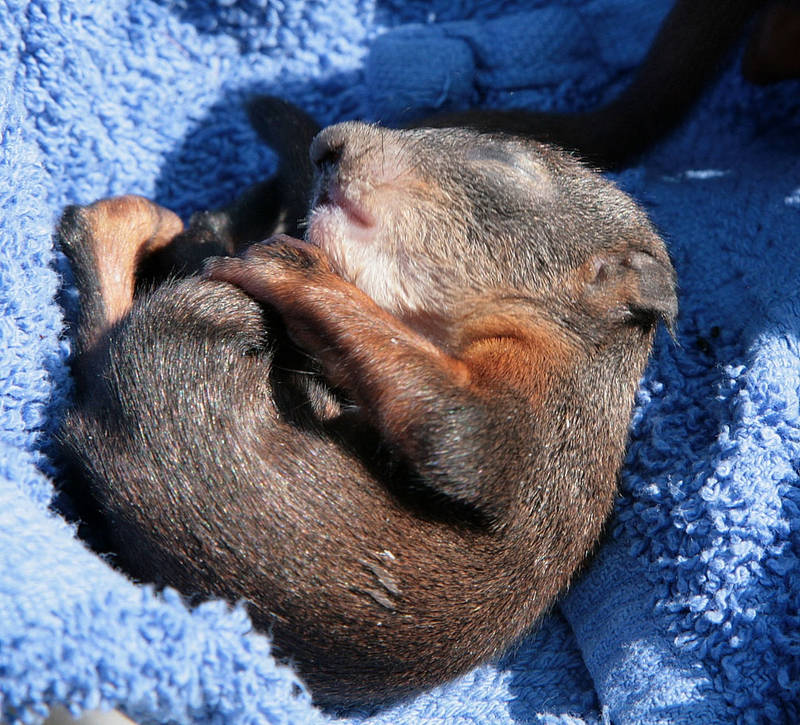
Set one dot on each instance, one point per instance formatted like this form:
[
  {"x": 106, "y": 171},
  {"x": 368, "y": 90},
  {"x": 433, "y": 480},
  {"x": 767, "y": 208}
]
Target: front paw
[
  {"x": 268, "y": 269},
  {"x": 289, "y": 253}
]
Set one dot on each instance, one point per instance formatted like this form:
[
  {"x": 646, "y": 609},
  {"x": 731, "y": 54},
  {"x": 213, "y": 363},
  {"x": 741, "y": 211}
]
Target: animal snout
[
  {"x": 360, "y": 169},
  {"x": 354, "y": 147},
  {"x": 329, "y": 145}
]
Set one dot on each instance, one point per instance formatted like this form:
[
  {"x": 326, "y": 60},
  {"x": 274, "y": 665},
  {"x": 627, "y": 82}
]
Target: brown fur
[
  {"x": 692, "y": 45},
  {"x": 773, "y": 52},
  {"x": 396, "y": 440}
]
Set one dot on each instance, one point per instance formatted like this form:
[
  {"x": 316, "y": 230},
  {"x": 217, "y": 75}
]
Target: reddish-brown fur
[
  {"x": 396, "y": 440},
  {"x": 404, "y": 495}
]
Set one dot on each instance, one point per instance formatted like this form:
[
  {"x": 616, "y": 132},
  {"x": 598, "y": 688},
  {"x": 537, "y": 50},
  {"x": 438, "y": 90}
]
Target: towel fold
[{"x": 546, "y": 55}]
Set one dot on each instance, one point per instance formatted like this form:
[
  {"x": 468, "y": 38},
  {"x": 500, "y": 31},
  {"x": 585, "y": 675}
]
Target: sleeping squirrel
[{"x": 396, "y": 439}]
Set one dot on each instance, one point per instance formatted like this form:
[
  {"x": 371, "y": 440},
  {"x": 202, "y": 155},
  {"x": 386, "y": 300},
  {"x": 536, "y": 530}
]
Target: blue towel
[{"x": 691, "y": 610}]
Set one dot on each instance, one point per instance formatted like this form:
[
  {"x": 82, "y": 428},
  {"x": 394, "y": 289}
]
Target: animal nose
[
  {"x": 327, "y": 147},
  {"x": 348, "y": 144}
]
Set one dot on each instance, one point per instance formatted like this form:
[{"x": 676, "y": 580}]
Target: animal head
[{"x": 425, "y": 220}]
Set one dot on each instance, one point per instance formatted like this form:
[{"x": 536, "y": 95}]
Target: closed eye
[
  {"x": 492, "y": 153},
  {"x": 504, "y": 162}
]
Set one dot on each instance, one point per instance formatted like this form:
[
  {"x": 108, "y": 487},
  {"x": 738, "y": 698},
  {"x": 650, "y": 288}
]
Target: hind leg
[{"x": 105, "y": 243}]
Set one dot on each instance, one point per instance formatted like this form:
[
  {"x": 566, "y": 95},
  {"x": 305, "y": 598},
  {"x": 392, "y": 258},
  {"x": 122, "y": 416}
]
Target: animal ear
[{"x": 635, "y": 283}]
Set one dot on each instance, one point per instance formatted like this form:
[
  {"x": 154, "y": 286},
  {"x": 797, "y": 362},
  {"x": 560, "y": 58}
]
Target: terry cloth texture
[{"x": 689, "y": 613}]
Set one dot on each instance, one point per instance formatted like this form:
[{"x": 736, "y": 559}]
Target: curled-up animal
[{"x": 396, "y": 439}]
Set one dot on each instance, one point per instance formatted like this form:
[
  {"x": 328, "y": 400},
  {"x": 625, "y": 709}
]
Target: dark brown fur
[
  {"x": 396, "y": 440},
  {"x": 692, "y": 45}
]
